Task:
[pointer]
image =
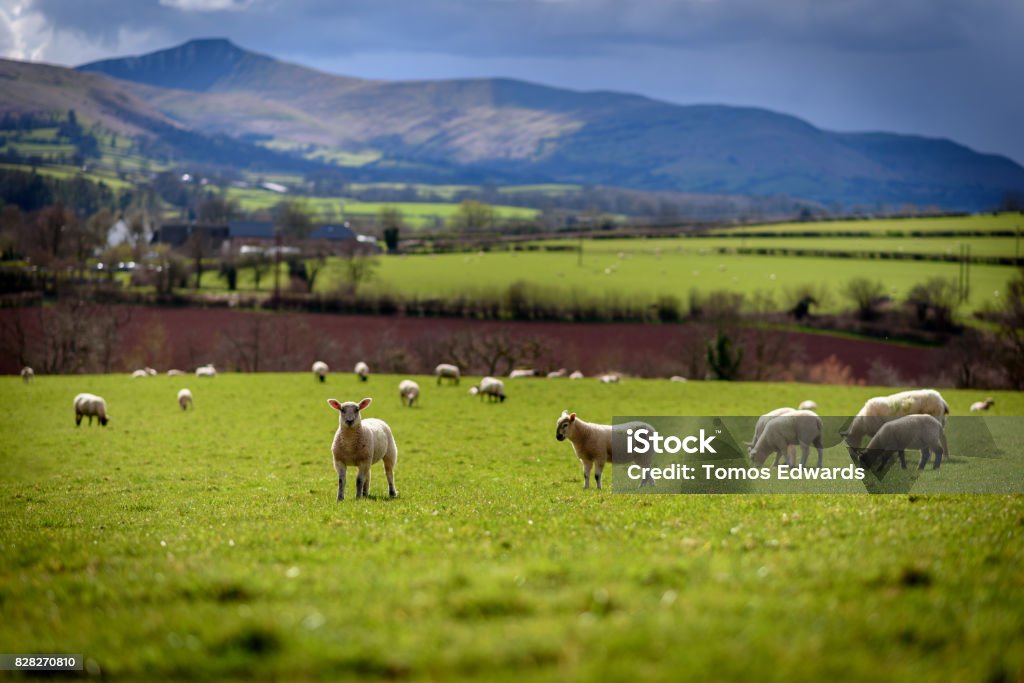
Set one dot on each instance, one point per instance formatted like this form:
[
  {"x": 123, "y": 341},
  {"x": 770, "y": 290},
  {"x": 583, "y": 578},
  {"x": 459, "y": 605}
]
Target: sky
[{"x": 940, "y": 68}]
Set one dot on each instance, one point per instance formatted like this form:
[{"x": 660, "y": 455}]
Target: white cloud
[{"x": 206, "y": 5}]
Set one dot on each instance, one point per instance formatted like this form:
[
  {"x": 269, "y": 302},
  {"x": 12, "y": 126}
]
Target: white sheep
[
  {"x": 782, "y": 431},
  {"x": 881, "y": 409},
  {"x": 151, "y": 371},
  {"x": 185, "y": 399},
  {"x": 592, "y": 444},
  {"x": 522, "y": 372},
  {"x": 916, "y": 432},
  {"x": 175, "y": 373},
  {"x": 491, "y": 387},
  {"x": 759, "y": 428},
  {"x": 610, "y": 378},
  {"x": 408, "y": 392},
  {"x": 27, "y": 374},
  {"x": 976, "y": 407},
  {"x": 576, "y": 375},
  {"x": 140, "y": 373},
  {"x": 360, "y": 443},
  {"x": 447, "y": 371},
  {"x": 676, "y": 378},
  {"x": 90, "y": 405},
  {"x": 558, "y": 373},
  {"x": 362, "y": 371},
  {"x": 320, "y": 370},
  {"x": 807, "y": 405},
  {"x": 206, "y": 371}
]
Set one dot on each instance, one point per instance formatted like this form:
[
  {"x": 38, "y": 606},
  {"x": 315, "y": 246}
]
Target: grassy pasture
[
  {"x": 207, "y": 545},
  {"x": 978, "y": 222}
]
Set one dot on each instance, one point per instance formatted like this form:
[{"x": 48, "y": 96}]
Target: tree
[
  {"x": 938, "y": 296},
  {"x": 1011, "y": 332},
  {"x": 473, "y": 216},
  {"x": 723, "y": 361},
  {"x": 358, "y": 265},
  {"x": 198, "y": 247},
  {"x": 866, "y": 295},
  {"x": 390, "y": 221},
  {"x": 291, "y": 219},
  {"x": 229, "y": 272},
  {"x": 217, "y": 209},
  {"x": 259, "y": 262}
]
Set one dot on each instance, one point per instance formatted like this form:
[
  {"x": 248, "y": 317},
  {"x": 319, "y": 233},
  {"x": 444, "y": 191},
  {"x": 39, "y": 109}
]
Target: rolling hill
[{"x": 494, "y": 130}]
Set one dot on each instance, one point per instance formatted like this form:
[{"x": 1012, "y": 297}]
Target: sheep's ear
[
  {"x": 572, "y": 417},
  {"x": 364, "y": 403},
  {"x": 334, "y": 403}
]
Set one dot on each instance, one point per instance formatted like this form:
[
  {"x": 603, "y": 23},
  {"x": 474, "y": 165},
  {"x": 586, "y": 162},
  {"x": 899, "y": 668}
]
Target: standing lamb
[
  {"x": 881, "y": 409},
  {"x": 976, "y": 407},
  {"x": 491, "y": 387},
  {"x": 610, "y": 378},
  {"x": 916, "y": 432},
  {"x": 362, "y": 371},
  {"x": 320, "y": 370},
  {"x": 90, "y": 405},
  {"x": 759, "y": 428},
  {"x": 782, "y": 431},
  {"x": 360, "y": 443},
  {"x": 447, "y": 371},
  {"x": 576, "y": 375},
  {"x": 408, "y": 392},
  {"x": 185, "y": 399},
  {"x": 592, "y": 444},
  {"x": 206, "y": 371},
  {"x": 27, "y": 374}
]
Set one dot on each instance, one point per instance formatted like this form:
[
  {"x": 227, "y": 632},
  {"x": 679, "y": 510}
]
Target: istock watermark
[{"x": 811, "y": 454}]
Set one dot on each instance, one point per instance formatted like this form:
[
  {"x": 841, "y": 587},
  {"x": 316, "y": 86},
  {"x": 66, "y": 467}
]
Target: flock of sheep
[{"x": 909, "y": 420}]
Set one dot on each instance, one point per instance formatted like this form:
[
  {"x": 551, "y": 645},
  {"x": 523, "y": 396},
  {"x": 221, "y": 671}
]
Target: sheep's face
[
  {"x": 565, "y": 423},
  {"x": 349, "y": 412},
  {"x": 104, "y": 420}
]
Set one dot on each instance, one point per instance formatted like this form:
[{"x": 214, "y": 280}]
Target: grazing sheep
[
  {"x": 185, "y": 399},
  {"x": 447, "y": 371},
  {"x": 362, "y": 371},
  {"x": 206, "y": 371},
  {"x": 759, "y": 427},
  {"x": 592, "y": 444},
  {"x": 782, "y": 431},
  {"x": 610, "y": 378},
  {"x": 320, "y": 370},
  {"x": 576, "y": 375},
  {"x": 408, "y": 392},
  {"x": 140, "y": 373},
  {"x": 90, "y": 405},
  {"x": 676, "y": 378},
  {"x": 491, "y": 387},
  {"x": 360, "y": 443},
  {"x": 881, "y": 409},
  {"x": 175, "y": 373},
  {"x": 27, "y": 374},
  {"x": 558, "y": 373},
  {"x": 976, "y": 407},
  {"x": 916, "y": 432},
  {"x": 524, "y": 372},
  {"x": 151, "y": 372},
  {"x": 807, "y": 405}
]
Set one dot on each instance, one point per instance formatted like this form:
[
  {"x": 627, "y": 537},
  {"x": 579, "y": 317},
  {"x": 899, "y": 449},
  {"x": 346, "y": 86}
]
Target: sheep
[
  {"x": 610, "y": 378},
  {"x": 175, "y": 373},
  {"x": 491, "y": 387},
  {"x": 320, "y": 370},
  {"x": 976, "y": 407},
  {"x": 878, "y": 410},
  {"x": 151, "y": 371},
  {"x": 362, "y": 371},
  {"x": 558, "y": 373},
  {"x": 782, "y": 431},
  {"x": 592, "y": 444},
  {"x": 27, "y": 374},
  {"x": 576, "y": 375},
  {"x": 90, "y": 405},
  {"x": 408, "y": 392},
  {"x": 206, "y": 371},
  {"x": 185, "y": 399},
  {"x": 759, "y": 428},
  {"x": 676, "y": 378},
  {"x": 807, "y": 405},
  {"x": 360, "y": 443},
  {"x": 917, "y": 432},
  {"x": 520, "y": 373},
  {"x": 447, "y": 371},
  {"x": 140, "y": 373}
]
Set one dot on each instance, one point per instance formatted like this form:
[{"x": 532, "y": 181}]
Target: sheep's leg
[
  {"x": 389, "y": 472},
  {"x": 586, "y": 475},
  {"x": 903, "y": 458},
  {"x": 925, "y": 454},
  {"x": 341, "y": 484},
  {"x": 938, "y": 459},
  {"x": 363, "y": 481},
  {"x": 821, "y": 450},
  {"x": 942, "y": 442},
  {"x": 598, "y": 469},
  {"x": 778, "y": 457},
  {"x": 78, "y": 420},
  {"x": 805, "y": 451}
]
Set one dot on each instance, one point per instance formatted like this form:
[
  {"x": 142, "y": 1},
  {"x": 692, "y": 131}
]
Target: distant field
[
  {"x": 65, "y": 172},
  {"x": 208, "y": 545},
  {"x": 980, "y": 222}
]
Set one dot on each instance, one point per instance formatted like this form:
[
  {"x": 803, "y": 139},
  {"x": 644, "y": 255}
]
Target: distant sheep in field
[
  {"x": 362, "y": 371},
  {"x": 915, "y": 432},
  {"x": 807, "y": 405},
  {"x": 360, "y": 443},
  {"x": 90, "y": 405},
  {"x": 576, "y": 375},
  {"x": 140, "y": 373},
  {"x": 151, "y": 372},
  {"x": 800, "y": 427},
  {"x": 976, "y": 407},
  {"x": 523, "y": 372},
  {"x": 610, "y": 378},
  {"x": 408, "y": 392},
  {"x": 676, "y": 378},
  {"x": 491, "y": 387},
  {"x": 881, "y": 409},
  {"x": 185, "y": 399},
  {"x": 320, "y": 370},
  {"x": 27, "y": 374},
  {"x": 558, "y": 373},
  {"x": 447, "y": 371},
  {"x": 206, "y": 371},
  {"x": 593, "y": 443},
  {"x": 175, "y": 373}
]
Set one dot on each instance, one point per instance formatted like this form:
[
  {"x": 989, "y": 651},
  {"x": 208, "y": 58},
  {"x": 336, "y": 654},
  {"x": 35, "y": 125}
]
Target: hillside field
[{"x": 208, "y": 545}]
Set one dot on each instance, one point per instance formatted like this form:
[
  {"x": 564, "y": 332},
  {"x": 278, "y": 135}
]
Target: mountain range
[{"x": 502, "y": 130}]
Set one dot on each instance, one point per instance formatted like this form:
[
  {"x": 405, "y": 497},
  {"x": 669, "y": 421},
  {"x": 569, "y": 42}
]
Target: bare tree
[
  {"x": 866, "y": 295},
  {"x": 358, "y": 265}
]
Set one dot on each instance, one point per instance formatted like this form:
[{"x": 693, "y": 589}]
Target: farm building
[{"x": 235, "y": 235}]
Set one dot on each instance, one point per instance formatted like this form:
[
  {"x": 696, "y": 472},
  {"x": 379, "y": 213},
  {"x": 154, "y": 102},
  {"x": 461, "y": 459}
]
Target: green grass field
[
  {"x": 208, "y": 545},
  {"x": 978, "y": 222}
]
